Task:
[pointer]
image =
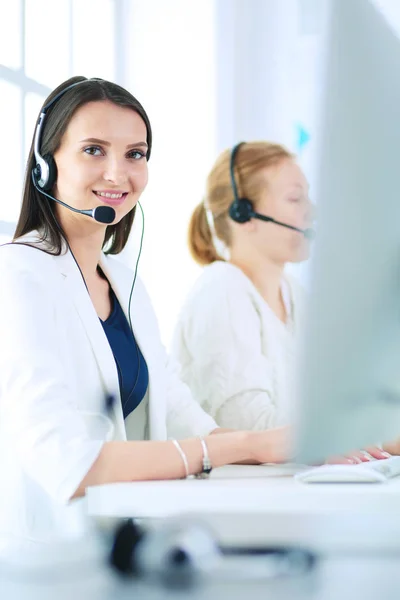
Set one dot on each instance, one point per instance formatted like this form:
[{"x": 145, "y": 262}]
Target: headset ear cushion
[
  {"x": 241, "y": 210},
  {"x": 48, "y": 186}
]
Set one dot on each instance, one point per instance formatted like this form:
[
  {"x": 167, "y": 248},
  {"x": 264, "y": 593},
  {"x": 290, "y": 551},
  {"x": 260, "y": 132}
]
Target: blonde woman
[
  {"x": 235, "y": 338},
  {"x": 236, "y": 335}
]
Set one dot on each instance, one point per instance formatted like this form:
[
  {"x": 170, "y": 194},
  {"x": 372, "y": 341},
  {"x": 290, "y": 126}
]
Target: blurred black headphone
[
  {"x": 242, "y": 209},
  {"x": 183, "y": 554},
  {"x": 45, "y": 171}
]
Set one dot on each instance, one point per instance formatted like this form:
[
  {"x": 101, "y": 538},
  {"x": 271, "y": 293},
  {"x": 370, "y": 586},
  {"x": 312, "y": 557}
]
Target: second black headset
[{"x": 242, "y": 209}]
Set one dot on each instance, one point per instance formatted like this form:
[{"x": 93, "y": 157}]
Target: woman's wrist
[
  {"x": 245, "y": 447},
  {"x": 228, "y": 448},
  {"x": 252, "y": 443},
  {"x": 271, "y": 446},
  {"x": 223, "y": 449}
]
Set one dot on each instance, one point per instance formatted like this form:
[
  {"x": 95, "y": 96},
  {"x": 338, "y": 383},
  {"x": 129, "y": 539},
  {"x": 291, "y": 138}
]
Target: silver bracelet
[
  {"x": 183, "y": 456},
  {"x": 207, "y": 466}
]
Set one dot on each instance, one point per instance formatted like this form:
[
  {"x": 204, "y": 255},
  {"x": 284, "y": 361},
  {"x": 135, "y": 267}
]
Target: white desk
[
  {"x": 263, "y": 504},
  {"x": 355, "y": 529}
]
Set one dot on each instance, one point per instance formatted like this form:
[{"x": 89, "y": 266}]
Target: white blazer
[
  {"x": 55, "y": 367},
  {"x": 237, "y": 357}
]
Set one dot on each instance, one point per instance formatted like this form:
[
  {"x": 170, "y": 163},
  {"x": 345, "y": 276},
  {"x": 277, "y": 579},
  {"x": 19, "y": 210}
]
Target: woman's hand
[
  {"x": 272, "y": 446},
  {"x": 275, "y": 446},
  {"x": 358, "y": 456}
]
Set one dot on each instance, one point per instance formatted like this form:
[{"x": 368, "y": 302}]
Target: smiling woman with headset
[
  {"x": 77, "y": 329},
  {"x": 235, "y": 337}
]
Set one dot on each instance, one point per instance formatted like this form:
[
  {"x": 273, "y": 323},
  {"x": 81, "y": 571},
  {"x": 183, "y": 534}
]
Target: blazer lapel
[
  {"x": 145, "y": 328},
  {"x": 122, "y": 289},
  {"x": 101, "y": 349}
]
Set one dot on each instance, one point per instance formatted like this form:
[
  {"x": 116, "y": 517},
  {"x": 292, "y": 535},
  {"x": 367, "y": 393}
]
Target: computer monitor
[{"x": 350, "y": 353}]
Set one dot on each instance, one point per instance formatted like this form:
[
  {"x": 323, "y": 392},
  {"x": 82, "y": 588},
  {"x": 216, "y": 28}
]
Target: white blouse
[{"x": 235, "y": 354}]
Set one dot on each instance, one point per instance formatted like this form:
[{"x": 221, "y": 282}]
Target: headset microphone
[
  {"x": 241, "y": 210},
  {"x": 101, "y": 214},
  {"x": 309, "y": 234}
]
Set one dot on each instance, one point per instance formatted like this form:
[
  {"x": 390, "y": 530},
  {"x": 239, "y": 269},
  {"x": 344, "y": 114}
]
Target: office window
[
  {"x": 10, "y": 35},
  {"x": 94, "y": 54},
  {"x": 10, "y": 149},
  {"x": 47, "y": 48},
  {"x": 42, "y": 43}
]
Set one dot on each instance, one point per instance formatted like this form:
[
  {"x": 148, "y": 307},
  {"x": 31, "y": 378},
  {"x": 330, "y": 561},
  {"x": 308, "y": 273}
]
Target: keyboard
[{"x": 374, "y": 471}]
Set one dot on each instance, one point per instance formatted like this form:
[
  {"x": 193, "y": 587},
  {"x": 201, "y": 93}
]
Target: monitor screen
[{"x": 349, "y": 368}]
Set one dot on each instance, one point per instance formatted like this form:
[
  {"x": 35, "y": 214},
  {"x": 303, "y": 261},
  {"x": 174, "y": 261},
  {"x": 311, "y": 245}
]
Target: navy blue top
[{"x": 132, "y": 369}]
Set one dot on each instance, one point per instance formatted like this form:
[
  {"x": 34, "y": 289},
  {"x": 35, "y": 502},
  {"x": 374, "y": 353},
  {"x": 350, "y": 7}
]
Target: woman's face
[
  {"x": 285, "y": 199},
  {"x": 102, "y": 159}
]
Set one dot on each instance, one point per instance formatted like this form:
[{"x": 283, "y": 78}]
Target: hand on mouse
[{"x": 358, "y": 456}]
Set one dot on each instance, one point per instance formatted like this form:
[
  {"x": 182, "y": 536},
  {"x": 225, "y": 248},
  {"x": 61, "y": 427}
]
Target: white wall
[
  {"x": 170, "y": 67},
  {"x": 256, "y": 45}
]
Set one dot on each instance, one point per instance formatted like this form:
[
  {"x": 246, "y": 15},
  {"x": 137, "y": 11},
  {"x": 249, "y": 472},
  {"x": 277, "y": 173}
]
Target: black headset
[{"x": 242, "y": 209}]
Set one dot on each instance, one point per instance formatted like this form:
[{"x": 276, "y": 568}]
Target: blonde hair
[{"x": 251, "y": 159}]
